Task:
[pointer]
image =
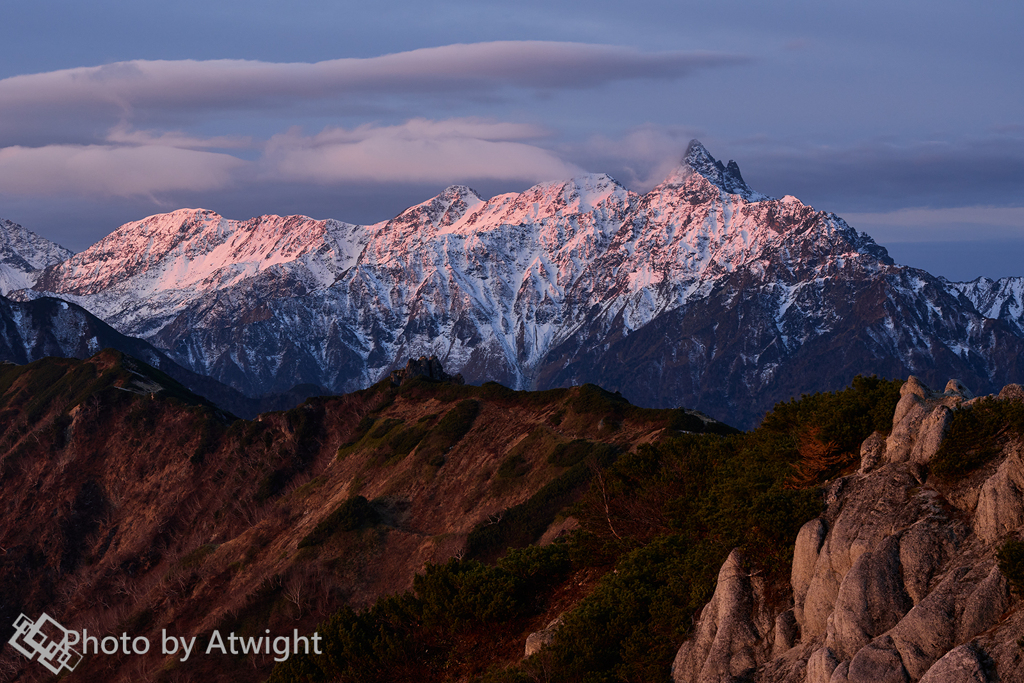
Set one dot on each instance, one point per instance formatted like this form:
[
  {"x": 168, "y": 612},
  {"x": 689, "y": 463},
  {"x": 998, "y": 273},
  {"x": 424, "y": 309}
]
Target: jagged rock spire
[{"x": 726, "y": 177}]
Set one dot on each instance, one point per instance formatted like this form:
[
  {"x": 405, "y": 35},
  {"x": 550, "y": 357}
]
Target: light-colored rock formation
[
  {"x": 921, "y": 420},
  {"x": 735, "y": 630},
  {"x": 536, "y": 641},
  {"x": 872, "y": 451},
  {"x": 1001, "y": 502},
  {"x": 896, "y": 582}
]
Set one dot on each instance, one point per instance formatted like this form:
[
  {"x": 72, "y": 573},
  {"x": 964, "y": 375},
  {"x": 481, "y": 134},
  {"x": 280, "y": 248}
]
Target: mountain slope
[
  {"x": 1001, "y": 299},
  {"x": 45, "y": 327},
  {"x": 24, "y": 255},
  {"x": 700, "y": 292},
  {"x": 132, "y": 506}
]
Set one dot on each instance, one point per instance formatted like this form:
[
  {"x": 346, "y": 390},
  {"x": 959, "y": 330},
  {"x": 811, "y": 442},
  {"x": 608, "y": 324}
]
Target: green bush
[
  {"x": 364, "y": 426},
  {"x": 845, "y": 417},
  {"x": 449, "y": 430},
  {"x": 457, "y": 421},
  {"x": 976, "y": 434},
  {"x": 513, "y": 467},
  {"x": 195, "y": 558},
  {"x": 381, "y": 429},
  {"x": 671, "y": 512},
  {"x": 521, "y": 525},
  {"x": 210, "y": 431},
  {"x": 411, "y": 637},
  {"x": 354, "y": 513},
  {"x": 577, "y": 450},
  {"x": 591, "y": 399},
  {"x": 404, "y": 440},
  {"x": 271, "y": 484}
]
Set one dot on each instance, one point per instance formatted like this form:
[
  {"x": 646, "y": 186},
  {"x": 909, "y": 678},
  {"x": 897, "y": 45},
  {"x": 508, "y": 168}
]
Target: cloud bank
[{"x": 113, "y": 171}]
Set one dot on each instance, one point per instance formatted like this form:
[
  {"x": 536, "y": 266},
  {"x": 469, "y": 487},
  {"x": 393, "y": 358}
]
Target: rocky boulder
[
  {"x": 735, "y": 629},
  {"x": 536, "y": 641}
]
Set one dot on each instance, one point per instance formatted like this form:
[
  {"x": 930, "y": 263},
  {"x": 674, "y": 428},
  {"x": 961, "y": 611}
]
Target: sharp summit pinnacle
[{"x": 725, "y": 177}]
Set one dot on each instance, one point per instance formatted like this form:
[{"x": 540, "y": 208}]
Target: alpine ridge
[{"x": 701, "y": 292}]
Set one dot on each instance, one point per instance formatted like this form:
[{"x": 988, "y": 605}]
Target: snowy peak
[
  {"x": 726, "y": 177},
  {"x": 555, "y": 201},
  {"x": 441, "y": 211},
  {"x": 585, "y": 193},
  {"x": 185, "y": 248},
  {"x": 23, "y": 256}
]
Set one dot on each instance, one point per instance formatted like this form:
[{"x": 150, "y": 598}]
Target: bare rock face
[
  {"x": 1001, "y": 503},
  {"x": 733, "y": 635},
  {"x": 821, "y": 665},
  {"x": 805, "y": 558},
  {"x": 872, "y": 452},
  {"x": 877, "y": 662},
  {"x": 1012, "y": 391},
  {"x": 960, "y": 665},
  {"x": 896, "y": 582},
  {"x": 871, "y": 600}
]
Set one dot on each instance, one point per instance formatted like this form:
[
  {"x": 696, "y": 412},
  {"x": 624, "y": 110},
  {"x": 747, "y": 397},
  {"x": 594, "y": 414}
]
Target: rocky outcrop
[
  {"x": 424, "y": 367},
  {"x": 536, "y": 641},
  {"x": 896, "y": 581},
  {"x": 921, "y": 420}
]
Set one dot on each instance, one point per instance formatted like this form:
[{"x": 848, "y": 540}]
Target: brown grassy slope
[{"x": 129, "y": 505}]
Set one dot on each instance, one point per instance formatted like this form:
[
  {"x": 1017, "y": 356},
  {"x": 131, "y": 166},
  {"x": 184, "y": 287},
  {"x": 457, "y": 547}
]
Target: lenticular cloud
[{"x": 189, "y": 84}]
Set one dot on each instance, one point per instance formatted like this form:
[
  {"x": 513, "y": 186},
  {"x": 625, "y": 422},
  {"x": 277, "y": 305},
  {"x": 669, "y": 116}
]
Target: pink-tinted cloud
[
  {"x": 132, "y": 162},
  {"x": 123, "y": 135},
  {"x": 450, "y": 151},
  {"x": 111, "y": 170}
]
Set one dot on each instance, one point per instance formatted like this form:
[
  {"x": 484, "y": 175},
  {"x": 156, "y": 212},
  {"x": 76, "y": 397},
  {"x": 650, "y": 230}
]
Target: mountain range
[{"x": 701, "y": 292}]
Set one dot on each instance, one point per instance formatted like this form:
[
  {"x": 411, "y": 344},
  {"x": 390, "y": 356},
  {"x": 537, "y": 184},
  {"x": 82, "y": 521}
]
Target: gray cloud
[
  {"x": 125, "y": 88},
  {"x": 881, "y": 176},
  {"x": 640, "y": 158}
]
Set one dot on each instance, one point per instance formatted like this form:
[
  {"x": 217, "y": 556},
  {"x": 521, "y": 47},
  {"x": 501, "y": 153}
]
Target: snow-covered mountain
[
  {"x": 24, "y": 255},
  {"x": 701, "y": 292},
  {"x": 1002, "y": 299}
]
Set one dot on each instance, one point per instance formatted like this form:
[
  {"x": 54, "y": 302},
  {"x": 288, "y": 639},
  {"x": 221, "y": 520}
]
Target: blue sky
[{"x": 906, "y": 119}]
